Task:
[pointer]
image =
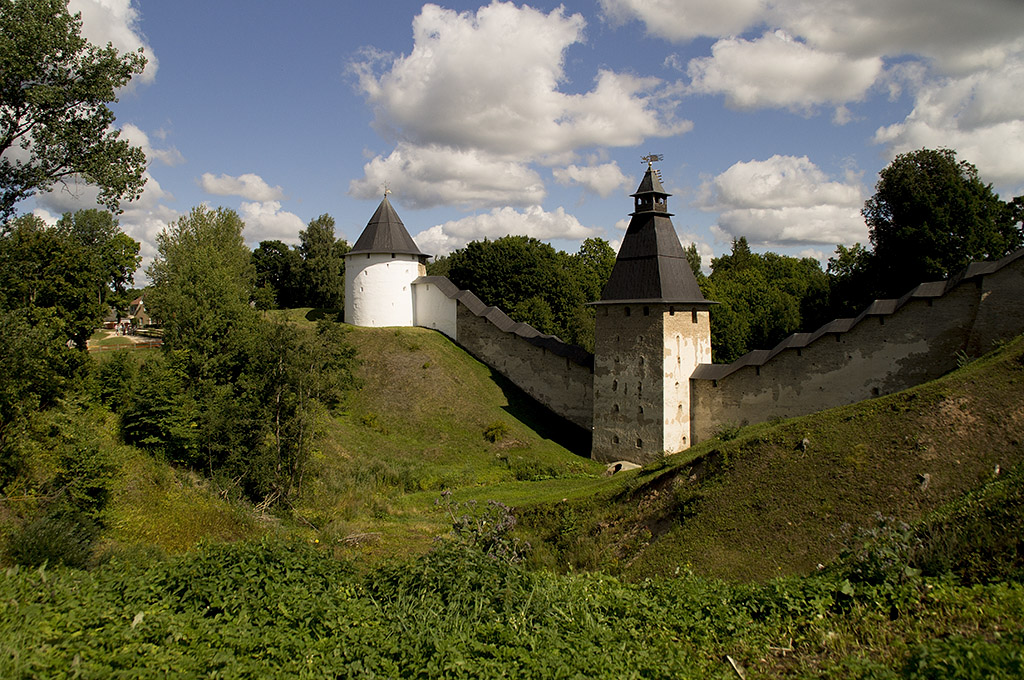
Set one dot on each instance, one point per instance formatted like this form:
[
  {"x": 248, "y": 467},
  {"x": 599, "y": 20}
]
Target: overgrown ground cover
[{"x": 279, "y": 609}]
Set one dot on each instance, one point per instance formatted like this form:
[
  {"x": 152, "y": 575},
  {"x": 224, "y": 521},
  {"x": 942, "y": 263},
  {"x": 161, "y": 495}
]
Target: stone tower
[
  {"x": 379, "y": 271},
  {"x": 652, "y": 330}
]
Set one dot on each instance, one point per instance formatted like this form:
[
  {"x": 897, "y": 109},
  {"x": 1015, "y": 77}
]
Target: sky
[{"x": 774, "y": 117}]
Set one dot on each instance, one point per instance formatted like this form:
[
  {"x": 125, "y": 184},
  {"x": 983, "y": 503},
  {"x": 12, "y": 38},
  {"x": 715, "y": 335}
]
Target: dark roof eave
[
  {"x": 399, "y": 251},
  {"x": 654, "y": 301}
]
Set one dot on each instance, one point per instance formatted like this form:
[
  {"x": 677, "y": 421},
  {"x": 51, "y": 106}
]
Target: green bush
[
  {"x": 486, "y": 528},
  {"x": 962, "y": 658},
  {"x": 496, "y": 431},
  {"x": 62, "y": 537},
  {"x": 116, "y": 379}
]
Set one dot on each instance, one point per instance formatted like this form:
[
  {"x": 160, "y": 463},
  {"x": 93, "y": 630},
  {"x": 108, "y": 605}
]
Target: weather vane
[
  {"x": 652, "y": 157},
  {"x": 387, "y": 188}
]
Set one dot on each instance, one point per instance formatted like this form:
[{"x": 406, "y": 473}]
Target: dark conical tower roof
[
  {"x": 651, "y": 265},
  {"x": 385, "y": 233}
]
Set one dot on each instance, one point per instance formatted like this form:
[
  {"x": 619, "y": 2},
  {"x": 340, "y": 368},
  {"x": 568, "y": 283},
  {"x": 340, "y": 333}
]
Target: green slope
[
  {"x": 763, "y": 503},
  {"x": 783, "y": 498},
  {"x": 415, "y": 428}
]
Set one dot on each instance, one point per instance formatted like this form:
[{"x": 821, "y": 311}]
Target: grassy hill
[
  {"x": 426, "y": 418},
  {"x": 782, "y": 498},
  {"x": 422, "y": 422},
  {"x": 738, "y": 526},
  {"x": 769, "y": 500}
]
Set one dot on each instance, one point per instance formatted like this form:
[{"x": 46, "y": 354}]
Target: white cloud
[
  {"x": 960, "y": 60},
  {"x": 137, "y": 137},
  {"x": 115, "y": 22},
  {"x": 45, "y": 216},
  {"x": 249, "y": 186},
  {"x": 265, "y": 221},
  {"x": 457, "y": 95},
  {"x": 980, "y": 115},
  {"x": 142, "y": 219},
  {"x": 704, "y": 249},
  {"x": 603, "y": 180},
  {"x": 785, "y": 200},
  {"x": 674, "y": 20},
  {"x": 436, "y": 175},
  {"x": 442, "y": 239},
  {"x": 815, "y": 254},
  {"x": 777, "y": 71},
  {"x": 957, "y": 35}
]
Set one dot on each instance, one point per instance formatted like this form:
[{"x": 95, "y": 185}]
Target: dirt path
[{"x": 128, "y": 341}]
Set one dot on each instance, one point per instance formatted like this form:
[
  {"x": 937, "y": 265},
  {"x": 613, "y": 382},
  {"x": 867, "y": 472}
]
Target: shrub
[
  {"x": 964, "y": 658},
  {"x": 728, "y": 431},
  {"x": 116, "y": 379},
  {"x": 61, "y": 537},
  {"x": 486, "y": 528},
  {"x": 496, "y": 431}
]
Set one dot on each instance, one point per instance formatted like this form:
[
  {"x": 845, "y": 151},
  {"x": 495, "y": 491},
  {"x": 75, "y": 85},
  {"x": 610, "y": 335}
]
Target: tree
[
  {"x": 931, "y": 215},
  {"x": 36, "y": 367},
  {"x": 278, "y": 269},
  {"x": 54, "y": 121},
  {"x": 694, "y": 260},
  {"x": 235, "y": 395},
  {"x": 506, "y": 271},
  {"x": 54, "y": 285},
  {"x": 594, "y": 263},
  {"x": 109, "y": 257},
  {"x": 763, "y": 297},
  {"x": 202, "y": 283},
  {"x": 323, "y": 264},
  {"x": 853, "y": 281},
  {"x": 534, "y": 283},
  {"x": 75, "y": 268}
]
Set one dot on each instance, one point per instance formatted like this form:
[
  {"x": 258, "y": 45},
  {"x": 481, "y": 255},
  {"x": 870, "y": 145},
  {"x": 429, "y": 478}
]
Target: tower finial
[
  {"x": 387, "y": 188},
  {"x": 652, "y": 157}
]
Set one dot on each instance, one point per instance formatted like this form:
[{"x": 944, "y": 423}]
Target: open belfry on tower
[{"x": 652, "y": 330}]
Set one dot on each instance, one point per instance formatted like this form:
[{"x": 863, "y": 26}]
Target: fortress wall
[
  {"x": 537, "y": 368},
  {"x": 1001, "y": 312},
  {"x": 434, "y": 309},
  {"x": 893, "y": 345},
  {"x": 558, "y": 375}
]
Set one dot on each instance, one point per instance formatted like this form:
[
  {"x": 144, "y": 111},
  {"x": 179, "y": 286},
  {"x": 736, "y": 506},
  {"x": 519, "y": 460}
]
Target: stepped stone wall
[
  {"x": 892, "y": 345},
  {"x": 558, "y": 375}
]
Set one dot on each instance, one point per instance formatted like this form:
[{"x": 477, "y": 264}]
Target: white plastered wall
[
  {"x": 435, "y": 310},
  {"x": 687, "y": 344},
  {"x": 378, "y": 289}
]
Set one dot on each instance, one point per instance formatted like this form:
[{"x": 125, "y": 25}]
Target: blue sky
[{"x": 774, "y": 118}]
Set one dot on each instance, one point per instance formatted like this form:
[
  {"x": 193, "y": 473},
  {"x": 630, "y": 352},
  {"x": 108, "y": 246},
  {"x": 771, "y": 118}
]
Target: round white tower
[{"x": 379, "y": 271}]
